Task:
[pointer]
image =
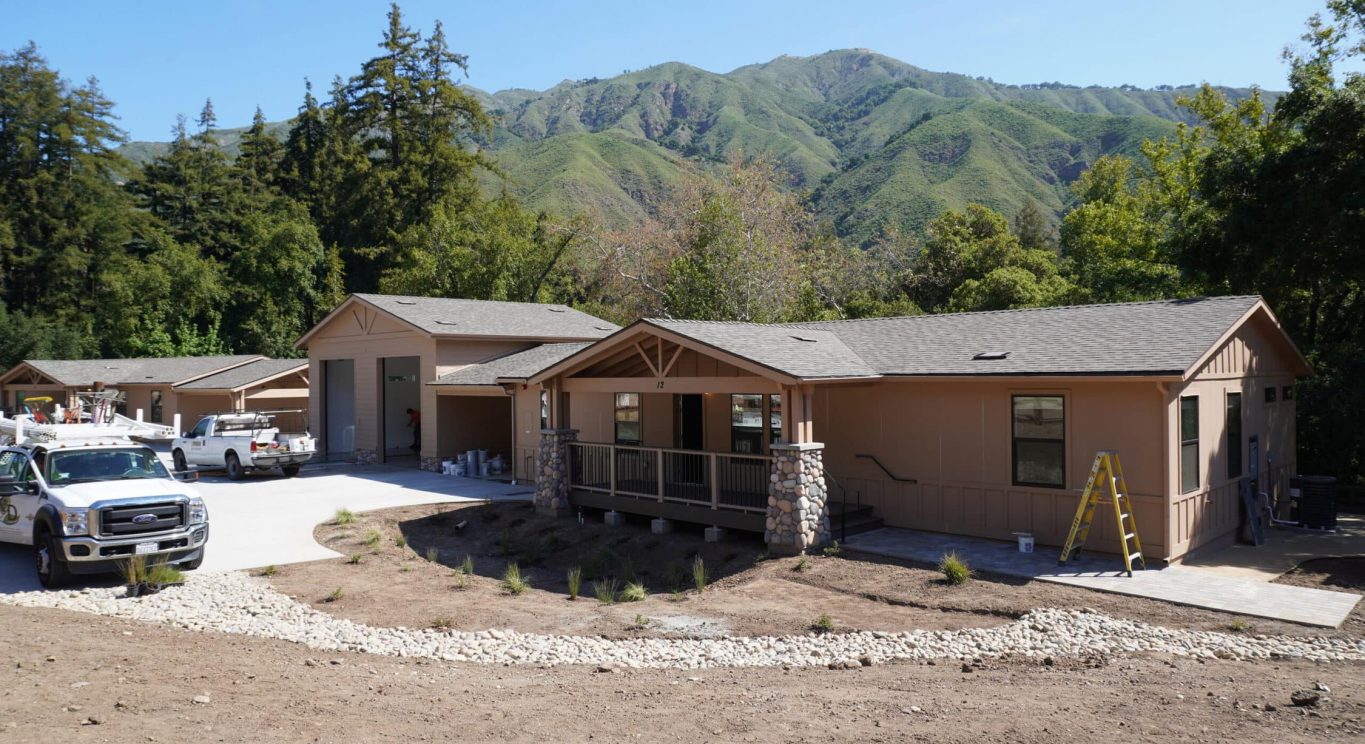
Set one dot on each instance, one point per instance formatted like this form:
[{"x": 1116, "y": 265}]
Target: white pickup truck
[{"x": 241, "y": 442}]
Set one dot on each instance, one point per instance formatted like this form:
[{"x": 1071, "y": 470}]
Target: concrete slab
[
  {"x": 269, "y": 519},
  {"x": 1177, "y": 584},
  {"x": 1284, "y": 548}
]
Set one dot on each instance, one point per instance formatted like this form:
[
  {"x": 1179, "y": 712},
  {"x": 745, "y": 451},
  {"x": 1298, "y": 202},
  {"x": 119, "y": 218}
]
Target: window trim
[
  {"x": 1014, "y": 439},
  {"x": 1198, "y": 480},
  {"x": 1227, "y": 433},
  {"x": 639, "y": 408}
]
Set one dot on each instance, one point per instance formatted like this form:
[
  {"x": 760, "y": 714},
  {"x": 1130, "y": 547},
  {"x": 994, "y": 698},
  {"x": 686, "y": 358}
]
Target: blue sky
[{"x": 156, "y": 58}]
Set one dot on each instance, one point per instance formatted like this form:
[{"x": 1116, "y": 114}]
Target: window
[
  {"x": 200, "y": 429},
  {"x": 1287, "y": 393},
  {"x": 1039, "y": 440},
  {"x": 545, "y": 409},
  {"x": 628, "y": 429},
  {"x": 746, "y": 424},
  {"x": 1270, "y": 394},
  {"x": 1189, "y": 443},
  {"x": 156, "y": 406},
  {"x": 775, "y": 419},
  {"x": 1234, "y": 429}
]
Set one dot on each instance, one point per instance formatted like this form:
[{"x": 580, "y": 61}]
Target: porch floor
[{"x": 1183, "y": 585}]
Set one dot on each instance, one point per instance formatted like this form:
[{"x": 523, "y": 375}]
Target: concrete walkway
[
  {"x": 269, "y": 519},
  {"x": 1284, "y": 548},
  {"x": 1178, "y": 584}
]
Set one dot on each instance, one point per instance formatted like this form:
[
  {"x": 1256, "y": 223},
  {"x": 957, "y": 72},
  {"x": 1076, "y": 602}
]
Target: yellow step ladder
[{"x": 1105, "y": 483}]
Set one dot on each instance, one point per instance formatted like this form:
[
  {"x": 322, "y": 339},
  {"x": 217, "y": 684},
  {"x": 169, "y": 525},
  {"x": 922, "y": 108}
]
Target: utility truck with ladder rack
[{"x": 88, "y": 498}]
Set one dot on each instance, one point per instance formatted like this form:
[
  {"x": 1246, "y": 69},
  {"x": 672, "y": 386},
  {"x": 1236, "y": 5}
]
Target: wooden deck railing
[{"x": 716, "y": 480}]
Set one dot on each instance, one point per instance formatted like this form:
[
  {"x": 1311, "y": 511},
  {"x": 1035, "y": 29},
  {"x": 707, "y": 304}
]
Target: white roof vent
[{"x": 405, "y": 302}]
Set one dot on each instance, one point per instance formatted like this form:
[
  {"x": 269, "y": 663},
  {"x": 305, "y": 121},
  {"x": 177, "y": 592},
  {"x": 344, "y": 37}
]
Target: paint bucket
[
  {"x": 457, "y": 469},
  {"x": 1025, "y": 541},
  {"x": 483, "y": 470}
]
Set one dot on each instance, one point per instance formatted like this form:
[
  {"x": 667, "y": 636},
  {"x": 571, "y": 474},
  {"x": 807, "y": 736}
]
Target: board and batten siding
[
  {"x": 954, "y": 438},
  {"x": 1251, "y": 360}
]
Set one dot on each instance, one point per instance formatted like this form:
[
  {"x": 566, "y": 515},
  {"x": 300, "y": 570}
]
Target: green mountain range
[{"x": 876, "y": 142}]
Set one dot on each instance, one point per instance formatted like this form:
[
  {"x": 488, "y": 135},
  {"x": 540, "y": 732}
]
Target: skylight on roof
[{"x": 987, "y": 356}]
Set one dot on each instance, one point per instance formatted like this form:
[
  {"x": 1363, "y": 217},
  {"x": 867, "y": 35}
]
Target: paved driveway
[{"x": 269, "y": 519}]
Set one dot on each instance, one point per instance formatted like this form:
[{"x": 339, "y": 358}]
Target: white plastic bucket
[{"x": 1025, "y": 541}]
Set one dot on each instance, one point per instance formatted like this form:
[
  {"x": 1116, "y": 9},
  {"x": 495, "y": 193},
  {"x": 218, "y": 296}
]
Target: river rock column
[
  {"x": 798, "y": 509},
  {"x": 552, "y": 473}
]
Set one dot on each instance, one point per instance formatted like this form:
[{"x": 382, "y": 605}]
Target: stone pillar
[
  {"x": 798, "y": 510},
  {"x": 552, "y": 473}
]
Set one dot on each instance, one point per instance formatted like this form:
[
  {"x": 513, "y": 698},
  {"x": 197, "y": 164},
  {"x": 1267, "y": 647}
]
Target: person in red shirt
[{"x": 415, "y": 423}]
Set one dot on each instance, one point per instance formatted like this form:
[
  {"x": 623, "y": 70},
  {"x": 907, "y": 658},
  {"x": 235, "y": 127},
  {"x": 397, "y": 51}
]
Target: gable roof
[
  {"x": 146, "y": 371},
  {"x": 1166, "y": 338},
  {"x": 516, "y": 366},
  {"x": 246, "y": 375},
  {"x": 452, "y": 317}
]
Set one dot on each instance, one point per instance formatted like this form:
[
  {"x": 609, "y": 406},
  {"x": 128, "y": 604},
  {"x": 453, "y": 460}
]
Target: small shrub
[
  {"x": 1238, "y": 625},
  {"x": 345, "y": 516},
  {"x": 634, "y": 592},
  {"x": 955, "y": 570},
  {"x": 355, "y": 559},
  {"x": 162, "y": 573},
  {"x": 400, "y": 541},
  {"x": 699, "y": 574},
  {"x": 512, "y": 580},
  {"x": 575, "y": 579},
  {"x": 467, "y": 568},
  {"x": 336, "y": 594},
  {"x": 405, "y": 568},
  {"x": 605, "y": 590},
  {"x": 677, "y": 596},
  {"x": 134, "y": 570},
  {"x": 460, "y": 582},
  {"x": 822, "y": 624},
  {"x": 802, "y": 564},
  {"x": 432, "y": 554},
  {"x": 442, "y": 623},
  {"x": 833, "y": 549},
  {"x": 640, "y": 620},
  {"x": 270, "y": 570},
  {"x": 373, "y": 538}
]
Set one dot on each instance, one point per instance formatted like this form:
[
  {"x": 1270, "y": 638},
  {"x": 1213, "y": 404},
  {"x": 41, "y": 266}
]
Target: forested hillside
[{"x": 839, "y": 186}]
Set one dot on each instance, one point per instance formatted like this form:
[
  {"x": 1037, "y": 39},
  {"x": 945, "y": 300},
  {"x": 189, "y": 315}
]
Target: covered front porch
[{"x": 655, "y": 423}]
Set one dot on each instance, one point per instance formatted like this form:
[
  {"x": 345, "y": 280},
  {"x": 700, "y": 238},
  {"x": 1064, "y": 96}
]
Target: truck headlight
[
  {"x": 199, "y": 513},
  {"x": 75, "y": 522}
]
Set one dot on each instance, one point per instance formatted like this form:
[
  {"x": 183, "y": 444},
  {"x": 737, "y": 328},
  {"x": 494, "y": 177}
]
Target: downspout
[{"x": 1164, "y": 390}]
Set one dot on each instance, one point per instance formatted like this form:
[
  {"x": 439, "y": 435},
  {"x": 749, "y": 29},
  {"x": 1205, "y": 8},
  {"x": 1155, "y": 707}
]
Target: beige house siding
[
  {"x": 954, "y": 439},
  {"x": 1253, "y": 359}
]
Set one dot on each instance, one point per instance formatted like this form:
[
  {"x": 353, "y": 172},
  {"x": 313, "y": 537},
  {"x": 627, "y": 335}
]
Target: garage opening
[
  {"x": 402, "y": 391},
  {"x": 338, "y": 389},
  {"x": 476, "y": 422}
]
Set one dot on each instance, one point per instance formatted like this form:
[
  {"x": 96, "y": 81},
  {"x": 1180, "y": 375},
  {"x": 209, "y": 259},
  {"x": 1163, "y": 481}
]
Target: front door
[
  {"x": 687, "y": 422},
  {"x": 687, "y": 472}
]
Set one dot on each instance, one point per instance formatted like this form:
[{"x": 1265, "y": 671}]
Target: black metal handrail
[
  {"x": 889, "y": 474},
  {"x": 830, "y": 480}
]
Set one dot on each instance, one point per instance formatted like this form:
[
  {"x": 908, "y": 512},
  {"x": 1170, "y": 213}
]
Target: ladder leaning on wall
[{"x": 1105, "y": 483}]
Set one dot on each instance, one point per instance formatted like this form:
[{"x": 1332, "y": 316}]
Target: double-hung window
[
  {"x": 628, "y": 429},
  {"x": 1039, "y": 437},
  {"x": 746, "y": 424},
  {"x": 1189, "y": 443}
]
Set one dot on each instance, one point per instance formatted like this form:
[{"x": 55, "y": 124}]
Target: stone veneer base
[{"x": 798, "y": 510}]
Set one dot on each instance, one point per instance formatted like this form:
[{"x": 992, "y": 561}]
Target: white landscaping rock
[{"x": 238, "y": 603}]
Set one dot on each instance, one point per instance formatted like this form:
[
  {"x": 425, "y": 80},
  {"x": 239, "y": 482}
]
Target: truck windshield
[{"x": 85, "y": 466}]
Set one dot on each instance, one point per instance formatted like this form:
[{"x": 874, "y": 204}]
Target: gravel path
[{"x": 238, "y": 603}]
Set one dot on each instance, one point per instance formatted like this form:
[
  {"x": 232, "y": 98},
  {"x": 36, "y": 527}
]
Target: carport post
[
  {"x": 798, "y": 506},
  {"x": 175, "y": 424},
  {"x": 552, "y": 472}
]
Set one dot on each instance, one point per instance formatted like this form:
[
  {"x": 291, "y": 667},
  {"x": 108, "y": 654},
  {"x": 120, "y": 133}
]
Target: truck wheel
[
  {"x": 178, "y": 458},
  {"x": 290, "y": 470},
  {"x": 48, "y": 559},
  {"x": 196, "y": 563},
  {"x": 234, "y": 467}
]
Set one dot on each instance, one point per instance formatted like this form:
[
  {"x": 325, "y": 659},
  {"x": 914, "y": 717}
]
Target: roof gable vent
[{"x": 990, "y": 356}]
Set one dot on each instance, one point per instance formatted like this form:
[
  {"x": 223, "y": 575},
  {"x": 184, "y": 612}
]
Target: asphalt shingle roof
[
  {"x": 1160, "y": 337},
  {"x": 246, "y": 374},
  {"x": 446, "y": 316},
  {"x": 517, "y": 365},
  {"x": 802, "y": 352},
  {"x": 167, "y": 370}
]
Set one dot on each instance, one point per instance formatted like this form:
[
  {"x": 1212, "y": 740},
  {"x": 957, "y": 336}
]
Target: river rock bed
[{"x": 238, "y": 603}]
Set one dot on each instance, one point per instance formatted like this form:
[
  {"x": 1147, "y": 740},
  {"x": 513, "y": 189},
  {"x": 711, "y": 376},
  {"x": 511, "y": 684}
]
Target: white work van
[{"x": 242, "y": 442}]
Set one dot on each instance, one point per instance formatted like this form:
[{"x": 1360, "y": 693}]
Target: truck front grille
[{"x": 123, "y": 520}]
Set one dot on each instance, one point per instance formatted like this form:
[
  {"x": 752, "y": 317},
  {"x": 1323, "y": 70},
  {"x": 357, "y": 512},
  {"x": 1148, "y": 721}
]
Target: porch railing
[{"x": 717, "y": 480}]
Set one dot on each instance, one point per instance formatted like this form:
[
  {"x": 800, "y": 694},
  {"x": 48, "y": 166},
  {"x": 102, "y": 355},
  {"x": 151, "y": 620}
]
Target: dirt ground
[
  {"x": 78, "y": 678},
  {"x": 749, "y": 595},
  {"x": 1340, "y": 574}
]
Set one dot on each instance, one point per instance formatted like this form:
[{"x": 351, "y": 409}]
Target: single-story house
[
  {"x": 376, "y": 356},
  {"x": 161, "y": 388},
  {"x": 982, "y": 424}
]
